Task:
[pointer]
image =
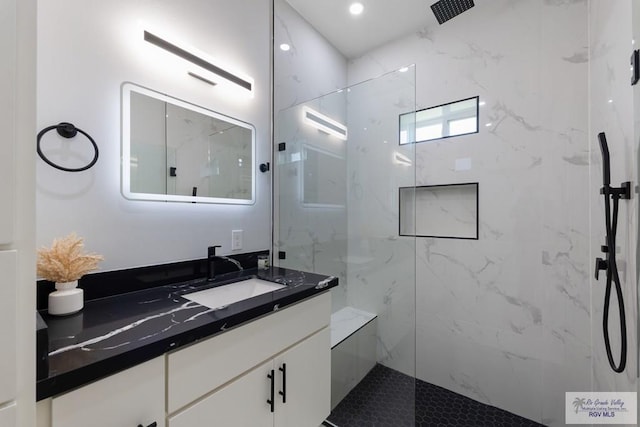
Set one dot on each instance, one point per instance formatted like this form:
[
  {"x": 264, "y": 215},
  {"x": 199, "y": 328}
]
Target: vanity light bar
[
  {"x": 194, "y": 59},
  {"x": 324, "y": 123}
]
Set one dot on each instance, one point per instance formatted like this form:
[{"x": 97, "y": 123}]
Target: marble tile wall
[
  {"x": 612, "y": 111},
  {"x": 357, "y": 243},
  {"x": 311, "y": 68},
  {"x": 314, "y": 238},
  {"x": 381, "y": 264},
  {"x": 506, "y": 319},
  {"x": 513, "y": 319}
]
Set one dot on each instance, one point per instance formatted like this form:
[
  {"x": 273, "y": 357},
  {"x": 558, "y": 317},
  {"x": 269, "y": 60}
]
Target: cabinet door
[
  {"x": 198, "y": 369},
  {"x": 240, "y": 403},
  {"x": 304, "y": 379},
  {"x": 127, "y": 399}
]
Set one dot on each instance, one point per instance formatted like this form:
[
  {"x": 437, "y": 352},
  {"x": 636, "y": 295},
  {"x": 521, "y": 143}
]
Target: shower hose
[{"x": 613, "y": 278}]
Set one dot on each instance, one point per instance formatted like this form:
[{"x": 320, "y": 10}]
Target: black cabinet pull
[
  {"x": 153, "y": 424},
  {"x": 283, "y": 393},
  {"x": 272, "y": 401}
]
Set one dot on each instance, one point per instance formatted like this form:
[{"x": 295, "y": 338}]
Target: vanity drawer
[
  {"x": 129, "y": 398},
  {"x": 196, "y": 370}
]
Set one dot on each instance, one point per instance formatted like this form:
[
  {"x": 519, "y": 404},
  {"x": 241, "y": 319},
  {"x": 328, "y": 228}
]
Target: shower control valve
[{"x": 601, "y": 264}]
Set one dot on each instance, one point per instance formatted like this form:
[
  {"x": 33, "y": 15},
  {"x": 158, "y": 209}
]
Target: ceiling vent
[{"x": 447, "y": 9}]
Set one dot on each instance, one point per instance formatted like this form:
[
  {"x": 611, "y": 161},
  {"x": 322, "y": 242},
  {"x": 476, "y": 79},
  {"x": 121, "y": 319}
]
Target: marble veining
[{"x": 85, "y": 344}]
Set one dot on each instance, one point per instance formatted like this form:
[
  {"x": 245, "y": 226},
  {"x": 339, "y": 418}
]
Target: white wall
[
  {"x": 506, "y": 319},
  {"x": 86, "y": 50}
]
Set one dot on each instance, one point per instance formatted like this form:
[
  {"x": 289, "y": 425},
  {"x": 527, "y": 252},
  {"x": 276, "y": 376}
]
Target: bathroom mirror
[{"x": 179, "y": 152}]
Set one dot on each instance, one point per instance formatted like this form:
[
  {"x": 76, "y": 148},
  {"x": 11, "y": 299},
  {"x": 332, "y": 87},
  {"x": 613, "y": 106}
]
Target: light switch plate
[{"x": 236, "y": 240}]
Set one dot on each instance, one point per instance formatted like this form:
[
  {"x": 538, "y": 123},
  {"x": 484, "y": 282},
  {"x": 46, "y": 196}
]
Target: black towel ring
[{"x": 67, "y": 130}]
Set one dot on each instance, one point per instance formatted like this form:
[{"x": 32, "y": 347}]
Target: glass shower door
[{"x": 339, "y": 170}]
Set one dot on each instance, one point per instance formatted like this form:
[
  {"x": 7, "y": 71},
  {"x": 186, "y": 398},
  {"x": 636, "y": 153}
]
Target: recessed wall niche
[{"x": 444, "y": 211}]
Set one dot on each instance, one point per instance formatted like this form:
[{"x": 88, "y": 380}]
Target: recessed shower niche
[{"x": 445, "y": 211}]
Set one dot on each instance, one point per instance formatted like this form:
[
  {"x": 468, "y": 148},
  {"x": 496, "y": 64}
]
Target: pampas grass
[{"x": 64, "y": 261}]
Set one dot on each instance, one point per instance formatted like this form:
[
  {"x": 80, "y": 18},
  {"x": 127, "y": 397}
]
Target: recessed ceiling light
[
  {"x": 285, "y": 47},
  {"x": 404, "y": 69},
  {"x": 356, "y": 8}
]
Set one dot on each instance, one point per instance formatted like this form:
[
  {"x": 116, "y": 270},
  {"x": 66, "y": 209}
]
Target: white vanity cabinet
[
  {"x": 131, "y": 398},
  {"x": 226, "y": 380},
  {"x": 222, "y": 381},
  {"x": 300, "y": 396}
]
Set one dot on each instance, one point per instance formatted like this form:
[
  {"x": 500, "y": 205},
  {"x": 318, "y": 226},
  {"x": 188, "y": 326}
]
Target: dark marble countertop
[{"x": 117, "y": 332}]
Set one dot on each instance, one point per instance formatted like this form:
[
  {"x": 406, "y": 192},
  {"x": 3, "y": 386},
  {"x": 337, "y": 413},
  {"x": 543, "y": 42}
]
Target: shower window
[{"x": 442, "y": 121}]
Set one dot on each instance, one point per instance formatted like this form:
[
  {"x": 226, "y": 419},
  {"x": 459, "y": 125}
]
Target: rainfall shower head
[{"x": 447, "y": 9}]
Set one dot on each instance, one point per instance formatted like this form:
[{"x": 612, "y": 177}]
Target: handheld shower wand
[
  {"x": 612, "y": 194},
  {"x": 606, "y": 162}
]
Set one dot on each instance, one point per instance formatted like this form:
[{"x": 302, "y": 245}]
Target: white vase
[{"x": 66, "y": 299}]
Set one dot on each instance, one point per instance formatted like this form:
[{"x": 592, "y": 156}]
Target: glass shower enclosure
[{"x": 339, "y": 170}]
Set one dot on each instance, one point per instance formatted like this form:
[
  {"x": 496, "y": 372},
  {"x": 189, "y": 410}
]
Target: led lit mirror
[
  {"x": 179, "y": 152},
  {"x": 442, "y": 121}
]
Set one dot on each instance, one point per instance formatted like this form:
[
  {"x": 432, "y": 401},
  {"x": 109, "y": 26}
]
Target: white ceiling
[{"x": 381, "y": 21}]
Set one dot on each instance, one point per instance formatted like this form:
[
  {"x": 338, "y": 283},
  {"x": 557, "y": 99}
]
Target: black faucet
[{"x": 211, "y": 257}]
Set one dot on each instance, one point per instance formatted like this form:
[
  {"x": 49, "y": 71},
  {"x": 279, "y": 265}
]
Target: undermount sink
[{"x": 222, "y": 296}]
